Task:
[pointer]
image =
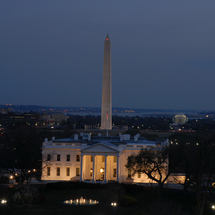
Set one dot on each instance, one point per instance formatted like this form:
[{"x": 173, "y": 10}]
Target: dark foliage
[
  {"x": 4, "y": 180},
  {"x": 126, "y": 200},
  {"x": 70, "y": 185},
  {"x": 21, "y": 149}
]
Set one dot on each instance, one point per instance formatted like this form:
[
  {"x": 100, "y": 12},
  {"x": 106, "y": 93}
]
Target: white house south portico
[{"x": 105, "y": 162}]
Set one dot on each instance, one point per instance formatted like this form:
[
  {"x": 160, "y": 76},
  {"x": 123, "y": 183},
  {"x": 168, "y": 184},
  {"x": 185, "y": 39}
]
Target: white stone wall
[
  {"x": 63, "y": 164},
  {"x": 98, "y": 150}
]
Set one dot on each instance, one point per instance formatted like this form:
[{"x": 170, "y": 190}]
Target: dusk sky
[{"x": 163, "y": 52}]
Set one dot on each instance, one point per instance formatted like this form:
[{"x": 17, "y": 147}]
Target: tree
[
  {"x": 21, "y": 153},
  {"x": 153, "y": 162},
  {"x": 204, "y": 169},
  {"x": 182, "y": 159},
  {"x": 195, "y": 158}
]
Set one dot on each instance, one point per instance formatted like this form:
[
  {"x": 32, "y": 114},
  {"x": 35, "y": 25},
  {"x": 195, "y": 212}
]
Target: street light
[
  {"x": 3, "y": 203},
  {"x": 113, "y": 204}
]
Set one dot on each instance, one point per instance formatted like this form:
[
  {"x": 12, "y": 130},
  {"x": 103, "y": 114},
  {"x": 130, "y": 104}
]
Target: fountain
[{"x": 81, "y": 201}]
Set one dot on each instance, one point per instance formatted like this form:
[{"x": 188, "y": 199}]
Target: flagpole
[{"x": 107, "y": 125}]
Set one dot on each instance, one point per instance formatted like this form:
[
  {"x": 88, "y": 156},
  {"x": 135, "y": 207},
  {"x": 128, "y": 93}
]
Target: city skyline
[{"x": 162, "y": 53}]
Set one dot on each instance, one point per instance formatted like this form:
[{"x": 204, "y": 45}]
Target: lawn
[{"x": 148, "y": 202}]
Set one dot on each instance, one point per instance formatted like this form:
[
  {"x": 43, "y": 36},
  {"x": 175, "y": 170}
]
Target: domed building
[{"x": 179, "y": 119}]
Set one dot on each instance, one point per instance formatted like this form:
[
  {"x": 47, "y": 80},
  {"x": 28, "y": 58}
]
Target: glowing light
[
  {"x": 3, "y": 201},
  {"x": 81, "y": 201},
  {"x": 213, "y": 206},
  {"x": 11, "y": 177}
]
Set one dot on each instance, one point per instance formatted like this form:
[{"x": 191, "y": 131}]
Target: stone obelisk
[{"x": 106, "y": 113}]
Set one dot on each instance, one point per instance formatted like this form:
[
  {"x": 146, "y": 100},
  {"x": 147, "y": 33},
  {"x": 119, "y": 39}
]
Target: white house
[{"x": 92, "y": 158}]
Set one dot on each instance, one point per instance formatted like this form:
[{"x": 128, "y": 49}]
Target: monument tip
[{"x": 107, "y": 37}]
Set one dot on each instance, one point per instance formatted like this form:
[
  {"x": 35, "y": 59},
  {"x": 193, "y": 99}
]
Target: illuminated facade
[
  {"x": 179, "y": 119},
  {"x": 92, "y": 158},
  {"x": 106, "y": 112}
]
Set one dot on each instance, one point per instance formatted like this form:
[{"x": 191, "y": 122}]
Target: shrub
[
  {"x": 25, "y": 195},
  {"x": 165, "y": 207},
  {"x": 4, "y": 180},
  {"x": 70, "y": 185},
  {"x": 127, "y": 200},
  {"x": 132, "y": 188},
  {"x": 112, "y": 191}
]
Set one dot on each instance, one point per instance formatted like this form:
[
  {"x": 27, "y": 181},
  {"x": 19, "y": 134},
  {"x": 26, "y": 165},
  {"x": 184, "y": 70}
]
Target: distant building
[
  {"x": 12, "y": 117},
  {"x": 88, "y": 127},
  {"x": 5, "y": 110},
  {"x": 53, "y": 117},
  {"x": 93, "y": 158},
  {"x": 179, "y": 119}
]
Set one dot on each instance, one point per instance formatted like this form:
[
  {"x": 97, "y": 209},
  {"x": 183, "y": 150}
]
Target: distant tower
[{"x": 106, "y": 114}]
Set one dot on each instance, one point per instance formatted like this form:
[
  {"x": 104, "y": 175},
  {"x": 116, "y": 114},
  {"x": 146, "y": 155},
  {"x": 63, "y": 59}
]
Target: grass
[
  {"x": 147, "y": 199},
  {"x": 53, "y": 203}
]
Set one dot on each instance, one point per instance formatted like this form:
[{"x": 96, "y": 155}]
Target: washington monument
[{"x": 106, "y": 114}]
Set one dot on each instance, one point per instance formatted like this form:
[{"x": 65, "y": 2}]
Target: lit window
[
  {"x": 67, "y": 157},
  {"x": 78, "y": 158},
  {"x": 58, "y": 157},
  {"x": 58, "y": 171},
  {"x": 77, "y": 171},
  {"x": 91, "y": 172},
  {"x": 67, "y": 171},
  {"x": 48, "y": 157},
  {"x": 103, "y": 158},
  {"x": 91, "y": 158},
  {"x": 48, "y": 171},
  {"x": 114, "y": 159}
]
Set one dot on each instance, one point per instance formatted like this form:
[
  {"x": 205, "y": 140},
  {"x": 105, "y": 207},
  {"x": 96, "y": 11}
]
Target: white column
[
  {"x": 117, "y": 170},
  {"x": 105, "y": 179},
  {"x": 110, "y": 168},
  {"x": 94, "y": 171},
  {"x": 81, "y": 175}
]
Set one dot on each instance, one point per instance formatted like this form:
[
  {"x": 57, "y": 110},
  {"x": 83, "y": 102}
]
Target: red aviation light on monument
[{"x": 107, "y": 37}]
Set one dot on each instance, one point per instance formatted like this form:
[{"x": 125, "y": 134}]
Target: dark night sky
[{"x": 163, "y": 52}]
